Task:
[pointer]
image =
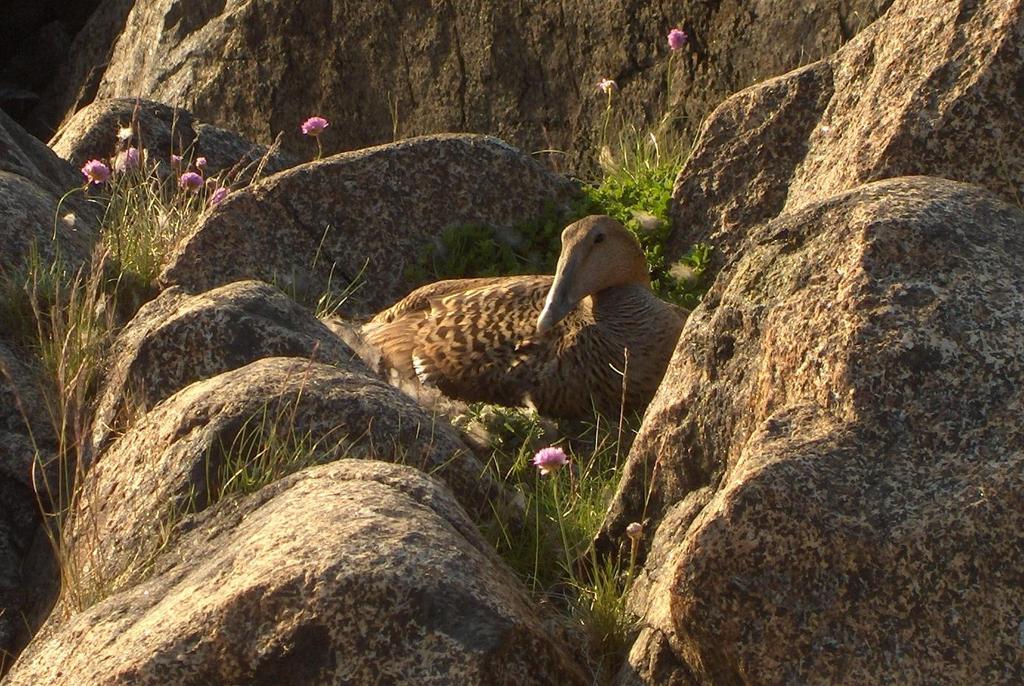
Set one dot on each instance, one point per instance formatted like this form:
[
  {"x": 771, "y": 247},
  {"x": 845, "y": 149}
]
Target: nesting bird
[{"x": 564, "y": 344}]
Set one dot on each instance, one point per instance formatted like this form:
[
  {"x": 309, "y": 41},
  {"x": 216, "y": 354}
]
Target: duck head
[{"x": 597, "y": 253}]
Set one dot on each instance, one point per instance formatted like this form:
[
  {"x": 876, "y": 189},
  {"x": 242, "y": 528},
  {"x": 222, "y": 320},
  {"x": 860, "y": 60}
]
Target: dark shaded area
[{"x": 35, "y": 39}]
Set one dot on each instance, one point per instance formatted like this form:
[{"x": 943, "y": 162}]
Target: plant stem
[{"x": 561, "y": 527}]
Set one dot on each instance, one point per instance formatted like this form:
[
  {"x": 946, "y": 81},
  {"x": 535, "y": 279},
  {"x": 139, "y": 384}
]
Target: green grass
[
  {"x": 266, "y": 449},
  {"x": 551, "y": 551}
]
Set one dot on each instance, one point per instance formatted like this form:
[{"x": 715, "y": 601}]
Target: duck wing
[
  {"x": 474, "y": 339},
  {"x": 420, "y": 299}
]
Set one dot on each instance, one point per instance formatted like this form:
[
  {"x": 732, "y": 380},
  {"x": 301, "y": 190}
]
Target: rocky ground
[{"x": 830, "y": 478}]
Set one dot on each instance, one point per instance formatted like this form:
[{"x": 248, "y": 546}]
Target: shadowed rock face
[
  {"x": 354, "y": 572},
  {"x": 932, "y": 88},
  {"x": 23, "y": 428},
  {"x": 365, "y": 214},
  {"x": 35, "y": 38},
  {"x": 77, "y": 79},
  {"x": 835, "y": 456},
  {"x": 32, "y": 182},
  {"x": 523, "y": 71}
]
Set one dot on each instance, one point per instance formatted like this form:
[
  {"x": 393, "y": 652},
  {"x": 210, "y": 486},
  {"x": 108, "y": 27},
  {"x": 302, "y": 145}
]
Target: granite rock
[
  {"x": 177, "y": 339},
  {"x": 210, "y": 438},
  {"x": 360, "y": 219},
  {"x": 353, "y": 572},
  {"x": 932, "y": 88},
  {"x": 832, "y": 471}
]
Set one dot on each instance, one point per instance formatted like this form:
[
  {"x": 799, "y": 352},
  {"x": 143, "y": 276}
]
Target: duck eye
[{"x": 599, "y": 238}]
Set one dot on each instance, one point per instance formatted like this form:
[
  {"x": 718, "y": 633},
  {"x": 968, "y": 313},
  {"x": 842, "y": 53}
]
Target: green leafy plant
[{"x": 639, "y": 198}]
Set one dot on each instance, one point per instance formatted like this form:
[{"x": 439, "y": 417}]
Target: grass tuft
[
  {"x": 267, "y": 448},
  {"x": 551, "y": 553},
  {"x": 65, "y": 318}
]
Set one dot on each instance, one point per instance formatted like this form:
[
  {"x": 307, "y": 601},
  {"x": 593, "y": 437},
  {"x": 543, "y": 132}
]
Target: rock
[
  {"x": 27, "y": 222},
  {"x": 523, "y": 72},
  {"x": 33, "y": 184},
  {"x": 21, "y": 583},
  {"x": 23, "y": 417},
  {"x": 354, "y": 572},
  {"x": 902, "y": 98},
  {"x": 23, "y": 20},
  {"x": 227, "y": 150},
  {"x": 364, "y": 215},
  {"x": 34, "y": 42},
  {"x": 834, "y": 465},
  {"x": 40, "y": 54},
  {"x": 188, "y": 451},
  {"x": 177, "y": 339},
  {"x": 92, "y": 134},
  {"x": 19, "y": 522},
  {"x": 24, "y": 156}
]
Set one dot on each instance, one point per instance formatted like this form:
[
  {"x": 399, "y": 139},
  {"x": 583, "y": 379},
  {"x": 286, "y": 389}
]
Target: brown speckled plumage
[{"x": 482, "y": 339}]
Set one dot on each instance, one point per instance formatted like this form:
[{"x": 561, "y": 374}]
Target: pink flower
[
  {"x": 218, "y": 196},
  {"x": 635, "y": 531},
  {"x": 127, "y": 159},
  {"x": 96, "y": 172},
  {"x": 314, "y": 126},
  {"x": 677, "y": 38},
  {"x": 606, "y": 86},
  {"x": 550, "y": 460},
  {"x": 176, "y": 161},
  {"x": 201, "y": 162},
  {"x": 190, "y": 181}
]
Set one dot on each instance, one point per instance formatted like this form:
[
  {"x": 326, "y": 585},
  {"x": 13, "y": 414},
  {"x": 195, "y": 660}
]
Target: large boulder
[
  {"x": 524, "y": 72},
  {"x": 92, "y": 133},
  {"x": 248, "y": 426},
  {"x": 932, "y": 88},
  {"x": 359, "y": 219},
  {"x": 36, "y": 207},
  {"x": 354, "y": 572},
  {"x": 834, "y": 463},
  {"x": 177, "y": 339}
]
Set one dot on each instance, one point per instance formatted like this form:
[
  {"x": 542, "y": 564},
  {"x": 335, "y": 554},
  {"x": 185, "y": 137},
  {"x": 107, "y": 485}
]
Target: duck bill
[{"x": 559, "y": 302}]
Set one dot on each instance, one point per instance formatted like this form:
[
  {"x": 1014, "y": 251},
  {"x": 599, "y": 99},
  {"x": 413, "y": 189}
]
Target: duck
[{"x": 592, "y": 337}]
